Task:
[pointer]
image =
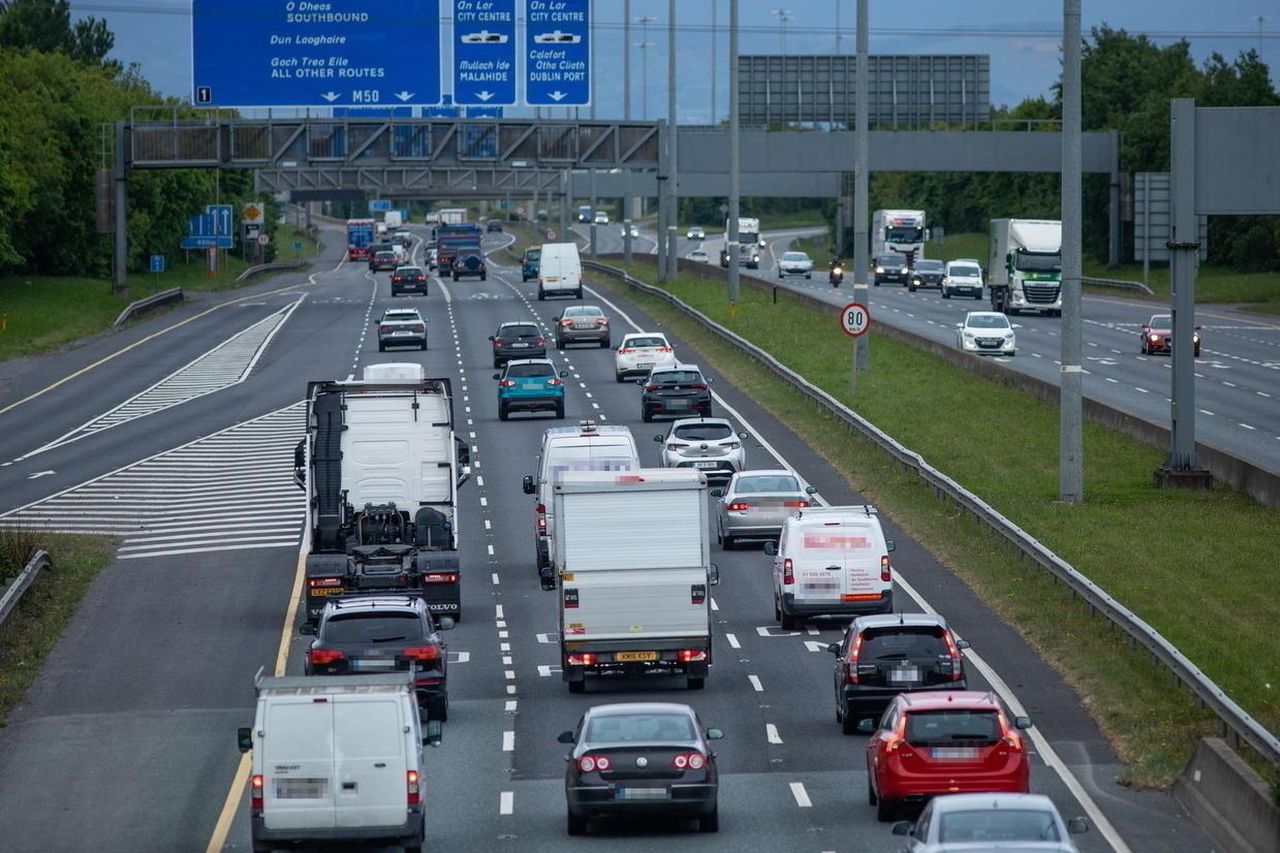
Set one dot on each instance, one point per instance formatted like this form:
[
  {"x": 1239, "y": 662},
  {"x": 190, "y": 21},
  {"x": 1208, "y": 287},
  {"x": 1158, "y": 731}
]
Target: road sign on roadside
[
  {"x": 855, "y": 319},
  {"x": 379, "y": 205},
  {"x": 557, "y": 53},
  {"x": 157, "y": 263},
  {"x": 252, "y": 212},
  {"x": 484, "y": 52},
  {"x": 297, "y": 245},
  {"x": 337, "y": 53},
  {"x": 264, "y": 239}
]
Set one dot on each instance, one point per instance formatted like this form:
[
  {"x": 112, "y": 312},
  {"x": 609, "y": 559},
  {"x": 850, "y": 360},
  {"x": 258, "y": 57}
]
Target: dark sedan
[
  {"x": 517, "y": 340},
  {"x": 890, "y": 268},
  {"x": 927, "y": 274},
  {"x": 641, "y": 759},
  {"x": 406, "y": 279},
  {"x": 680, "y": 390}
]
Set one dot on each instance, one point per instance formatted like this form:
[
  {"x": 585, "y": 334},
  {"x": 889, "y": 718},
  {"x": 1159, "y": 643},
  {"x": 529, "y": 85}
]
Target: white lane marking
[
  {"x": 508, "y": 741},
  {"x": 771, "y": 732},
  {"x": 1247, "y": 426},
  {"x": 1206, "y": 412},
  {"x": 1109, "y": 379},
  {"x": 490, "y": 550},
  {"x": 815, "y": 645},
  {"x": 502, "y": 635},
  {"x": 755, "y": 683},
  {"x": 497, "y": 611},
  {"x": 509, "y": 675},
  {"x": 506, "y": 802},
  {"x": 1141, "y": 390},
  {"x": 733, "y": 641},
  {"x": 1262, "y": 393},
  {"x": 811, "y": 631},
  {"x": 483, "y": 501},
  {"x": 544, "y": 671},
  {"x": 1229, "y": 384},
  {"x": 506, "y": 660},
  {"x": 801, "y": 795},
  {"x": 496, "y": 580},
  {"x": 488, "y": 525},
  {"x": 501, "y": 623},
  {"x": 714, "y": 606},
  {"x": 510, "y": 707}
]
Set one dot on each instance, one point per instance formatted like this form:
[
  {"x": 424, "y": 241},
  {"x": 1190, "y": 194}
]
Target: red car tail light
[
  {"x": 795, "y": 504},
  {"x": 898, "y": 739},
  {"x": 665, "y": 349},
  {"x": 418, "y": 327},
  {"x": 423, "y": 653},
  {"x": 886, "y": 570},
  {"x": 255, "y": 792},
  {"x": 787, "y": 576},
  {"x": 739, "y": 506},
  {"x": 412, "y": 790},
  {"x": 1009, "y": 737},
  {"x": 853, "y": 659},
  {"x": 625, "y": 350},
  {"x": 584, "y": 659},
  {"x": 691, "y": 655},
  {"x": 566, "y": 323},
  {"x": 673, "y": 447},
  {"x": 323, "y": 657},
  {"x": 689, "y": 761},
  {"x": 699, "y": 386},
  {"x": 957, "y": 667},
  {"x": 555, "y": 380},
  {"x": 499, "y": 342},
  {"x": 508, "y": 383},
  {"x": 589, "y": 763},
  {"x": 651, "y": 388},
  {"x": 734, "y": 445},
  {"x": 323, "y": 583},
  {"x": 539, "y": 342},
  {"x": 601, "y": 321}
]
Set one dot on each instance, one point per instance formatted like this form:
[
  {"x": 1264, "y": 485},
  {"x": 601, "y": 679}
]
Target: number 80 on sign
[{"x": 855, "y": 319}]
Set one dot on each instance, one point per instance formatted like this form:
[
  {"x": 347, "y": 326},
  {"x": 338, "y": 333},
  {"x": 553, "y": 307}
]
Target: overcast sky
[{"x": 1022, "y": 38}]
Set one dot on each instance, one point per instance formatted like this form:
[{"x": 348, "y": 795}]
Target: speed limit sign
[{"x": 855, "y": 319}]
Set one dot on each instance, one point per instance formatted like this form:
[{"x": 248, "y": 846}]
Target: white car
[
  {"x": 635, "y": 231},
  {"x": 601, "y": 218},
  {"x": 795, "y": 263},
  {"x": 963, "y": 278},
  {"x": 641, "y": 352},
  {"x": 699, "y": 256},
  {"x": 966, "y": 822},
  {"x": 696, "y": 233},
  {"x": 986, "y": 332},
  {"x": 707, "y": 444}
]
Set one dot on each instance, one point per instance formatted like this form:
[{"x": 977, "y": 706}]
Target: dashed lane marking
[{"x": 801, "y": 795}]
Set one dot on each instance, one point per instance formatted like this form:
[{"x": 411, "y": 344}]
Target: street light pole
[
  {"x": 861, "y": 140},
  {"x": 783, "y": 15},
  {"x": 714, "y": 75},
  {"x": 731, "y": 232},
  {"x": 673, "y": 195},
  {"x": 626, "y": 63},
  {"x": 1071, "y": 449}
]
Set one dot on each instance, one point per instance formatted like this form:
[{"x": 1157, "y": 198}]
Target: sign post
[
  {"x": 484, "y": 52},
  {"x": 557, "y": 54},
  {"x": 855, "y": 320}
]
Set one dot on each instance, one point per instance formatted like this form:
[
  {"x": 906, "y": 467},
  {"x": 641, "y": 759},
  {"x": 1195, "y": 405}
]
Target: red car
[
  {"x": 1157, "y": 335},
  {"x": 948, "y": 742}
]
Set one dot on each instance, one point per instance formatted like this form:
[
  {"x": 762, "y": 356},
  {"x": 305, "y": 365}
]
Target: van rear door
[
  {"x": 818, "y": 563},
  {"x": 297, "y": 768},
  {"x": 862, "y": 546},
  {"x": 370, "y": 764}
]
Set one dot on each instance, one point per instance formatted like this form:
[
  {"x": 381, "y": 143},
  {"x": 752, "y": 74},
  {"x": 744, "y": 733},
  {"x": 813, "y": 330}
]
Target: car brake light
[
  {"x": 899, "y": 737},
  {"x": 566, "y": 323},
  {"x": 795, "y": 504},
  {"x": 539, "y": 342},
  {"x": 423, "y": 653},
  {"x": 624, "y": 350},
  {"x": 673, "y": 447},
  {"x": 957, "y": 667},
  {"x": 1011, "y": 739},
  {"x": 508, "y": 383},
  {"x": 255, "y": 792},
  {"x": 418, "y": 327},
  {"x": 691, "y": 655},
  {"x": 739, "y": 506},
  {"x": 689, "y": 761},
  {"x": 886, "y": 574},
  {"x": 734, "y": 445},
  {"x": 499, "y": 342},
  {"x": 651, "y": 388},
  {"x": 319, "y": 583},
  {"x": 321, "y": 657},
  {"x": 555, "y": 380},
  {"x": 787, "y": 577},
  {"x": 441, "y": 577},
  {"x": 699, "y": 386},
  {"x": 588, "y": 763},
  {"x": 584, "y": 659},
  {"x": 853, "y": 659},
  {"x": 601, "y": 321},
  {"x": 412, "y": 791}
]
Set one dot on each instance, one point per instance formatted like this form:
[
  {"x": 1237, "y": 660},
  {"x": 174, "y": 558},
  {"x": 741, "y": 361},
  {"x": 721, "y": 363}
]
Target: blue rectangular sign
[
  {"x": 206, "y": 243},
  {"x": 484, "y": 52},
  {"x": 268, "y": 53},
  {"x": 157, "y": 263},
  {"x": 379, "y": 205},
  {"x": 221, "y": 214},
  {"x": 557, "y": 56}
]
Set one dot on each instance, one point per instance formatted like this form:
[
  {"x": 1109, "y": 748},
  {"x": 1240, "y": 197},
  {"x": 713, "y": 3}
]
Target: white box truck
[
  {"x": 749, "y": 243},
  {"x": 901, "y": 231},
  {"x": 393, "y": 219},
  {"x": 559, "y": 271},
  {"x": 633, "y": 559},
  {"x": 336, "y": 759},
  {"x": 1024, "y": 271}
]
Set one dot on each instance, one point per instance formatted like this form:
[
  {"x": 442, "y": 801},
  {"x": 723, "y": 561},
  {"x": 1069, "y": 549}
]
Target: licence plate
[
  {"x": 643, "y": 793},
  {"x": 904, "y": 674},
  {"x": 361, "y": 665},
  {"x": 519, "y": 346},
  {"x": 312, "y": 788},
  {"x": 644, "y": 365},
  {"x": 582, "y": 325},
  {"x": 704, "y": 464},
  {"x": 954, "y": 753},
  {"x": 333, "y": 590},
  {"x": 677, "y": 404},
  {"x": 634, "y": 656},
  {"x": 400, "y": 332}
]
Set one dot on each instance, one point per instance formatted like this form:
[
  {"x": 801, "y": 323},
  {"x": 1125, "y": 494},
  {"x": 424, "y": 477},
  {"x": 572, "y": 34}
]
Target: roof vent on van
[{"x": 588, "y": 427}]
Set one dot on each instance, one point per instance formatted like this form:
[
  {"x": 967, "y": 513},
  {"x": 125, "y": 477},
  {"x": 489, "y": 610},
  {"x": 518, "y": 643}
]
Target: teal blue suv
[{"x": 530, "y": 385}]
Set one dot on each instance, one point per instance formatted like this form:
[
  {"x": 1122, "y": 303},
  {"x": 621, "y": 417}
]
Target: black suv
[
  {"x": 884, "y": 655},
  {"x": 681, "y": 391},
  {"x": 890, "y": 267},
  {"x": 517, "y": 340},
  {"x": 408, "y": 279},
  {"x": 494, "y": 227},
  {"x": 927, "y": 274},
  {"x": 384, "y": 634}
]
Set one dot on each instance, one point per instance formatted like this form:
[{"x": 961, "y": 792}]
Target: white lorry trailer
[
  {"x": 381, "y": 467},
  {"x": 749, "y": 243},
  {"x": 1024, "y": 272},
  {"x": 633, "y": 560},
  {"x": 901, "y": 231}
]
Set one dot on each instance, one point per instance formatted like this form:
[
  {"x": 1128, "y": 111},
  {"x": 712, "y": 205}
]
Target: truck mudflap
[
  {"x": 441, "y": 578},
  {"x": 689, "y": 656},
  {"x": 325, "y": 576}
]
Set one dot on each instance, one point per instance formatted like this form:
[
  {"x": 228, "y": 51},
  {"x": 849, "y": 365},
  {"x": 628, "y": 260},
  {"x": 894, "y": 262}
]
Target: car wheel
[
  {"x": 848, "y": 723},
  {"x": 978, "y": 295},
  {"x": 696, "y": 682},
  {"x": 886, "y": 810},
  {"x": 484, "y": 276},
  {"x": 263, "y": 847},
  {"x": 788, "y": 622},
  {"x": 777, "y": 611},
  {"x": 619, "y": 378},
  {"x": 542, "y": 296},
  {"x": 808, "y": 275},
  {"x": 946, "y": 294},
  {"x": 438, "y": 709},
  {"x": 559, "y": 344},
  {"x": 871, "y": 792},
  {"x": 711, "y": 822},
  {"x": 1197, "y": 353},
  {"x": 911, "y": 288},
  {"x": 607, "y": 343},
  {"x": 646, "y": 416},
  {"x": 424, "y": 344},
  {"x": 455, "y": 276},
  {"x": 578, "y": 686},
  {"x": 729, "y": 542},
  {"x": 575, "y": 825},
  {"x": 560, "y": 411},
  {"x": 579, "y": 293},
  {"x": 876, "y": 282},
  {"x": 497, "y": 363},
  {"x": 382, "y": 347},
  {"x": 503, "y": 414}
]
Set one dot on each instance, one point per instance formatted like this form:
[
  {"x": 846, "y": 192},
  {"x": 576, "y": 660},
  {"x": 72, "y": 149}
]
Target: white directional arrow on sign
[
  {"x": 403, "y": 95},
  {"x": 331, "y": 96},
  {"x": 557, "y": 95},
  {"x": 484, "y": 96}
]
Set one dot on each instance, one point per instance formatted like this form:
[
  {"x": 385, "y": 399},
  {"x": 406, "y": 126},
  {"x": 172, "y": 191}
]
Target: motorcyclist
[{"x": 836, "y": 267}]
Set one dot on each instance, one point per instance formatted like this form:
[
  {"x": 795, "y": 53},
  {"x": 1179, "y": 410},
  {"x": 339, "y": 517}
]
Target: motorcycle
[{"x": 836, "y": 275}]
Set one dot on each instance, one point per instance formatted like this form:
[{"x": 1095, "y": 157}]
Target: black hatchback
[
  {"x": 890, "y": 268},
  {"x": 887, "y": 654},
  {"x": 681, "y": 391},
  {"x": 517, "y": 340}
]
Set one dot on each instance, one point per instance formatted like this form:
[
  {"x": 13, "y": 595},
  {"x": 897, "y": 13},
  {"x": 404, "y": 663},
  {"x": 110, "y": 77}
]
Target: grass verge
[
  {"x": 1160, "y": 552},
  {"x": 45, "y": 609},
  {"x": 86, "y": 306}
]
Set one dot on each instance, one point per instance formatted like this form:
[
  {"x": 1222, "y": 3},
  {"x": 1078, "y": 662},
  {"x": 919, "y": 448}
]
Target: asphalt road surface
[{"x": 127, "y": 740}]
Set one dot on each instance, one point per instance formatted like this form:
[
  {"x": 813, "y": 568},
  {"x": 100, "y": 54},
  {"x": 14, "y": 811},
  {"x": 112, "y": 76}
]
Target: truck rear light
[
  {"x": 570, "y": 598},
  {"x": 423, "y": 653},
  {"x": 323, "y": 657},
  {"x": 853, "y": 659},
  {"x": 739, "y": 506},
  {"x": 412, "y": 790},
  {"x": 441, "y": 577},
  {"x": 255, "y": 792},
  {"x": 583, "y": 659},
  {"x": 542, "y": 525},
  {"x": 589, "y": 763},
  {"x": 886, "y": 570},
  {"x": 508, "y": 383},
  {"x": 689, "y": 761},
  {"x": 860, "y": 596},
  {"x": 788, "y": 577},
  {"x": 540, "y": 509},
  {"x": 323, "y": 583},
  {"x": 697, "y": 593},
  {"x": 691, "y": 655}
]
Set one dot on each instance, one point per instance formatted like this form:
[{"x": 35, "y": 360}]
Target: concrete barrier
[
  {"x": 142, "y": 306},
  {"x": 1226, "y": 797}
]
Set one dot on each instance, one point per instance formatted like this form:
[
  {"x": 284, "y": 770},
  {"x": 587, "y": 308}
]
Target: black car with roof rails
[
  {"x": 681, "y": 390},
  {"x": 517, "y": 340},
  {"x": 927, "y": 273},
  {"x": 408, "y": 278},
  {"x": 883, "y": 655},
  {"x": 384, "y": 633},
  {"x": 890, "y": 268}
]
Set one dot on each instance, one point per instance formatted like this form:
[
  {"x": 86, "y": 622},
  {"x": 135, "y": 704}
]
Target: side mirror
[
  {"x": 834, "y": 648},
  {"x": 903, "y": 827},
  {"x": 564, "y": 737},
  {"x": 1023, "y": 723},
  {"x": 433, "y": 734},
  {"x": 308, "y": 629},
  {"x": 771, "y": 548},
  {"x": 527, "y": 484},
  {"x": 491, "y": 337},
  {"x": 659, "y": 438},
  {"x": 890, "y": 545},
  {"x": 744, "y": 436},
  {"x": 959, "y": 325},
  {"x": 1198, "y": 327},
  {"x": 446, "y": 623},
  {"x": 244, "y": 737},
  {"x": 640, "y": 381},
  {"x": 1146, "y": 326},
  {"x": 962, "y": 644},
  {"x": 717, "y": 493},
  {"x": 714, "y": 734},
  {"x": 810, "y": 490},
  {"x": 866, "y": 727},
  {"x": 497, "y": 376},
  {"x": 564, "y": 374},
  {"x": 709, "y": 379},
  {"x": 715, "y": 575},
  {"x": 1077, "y": 825}
]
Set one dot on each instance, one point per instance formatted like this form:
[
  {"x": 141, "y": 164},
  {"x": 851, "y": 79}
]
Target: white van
[
  {"x": 336, "y": 758},
  {"x": 831, "y": 561},
  {"x": 586, "y": 447},
  {"x": 559, "y": 271}
]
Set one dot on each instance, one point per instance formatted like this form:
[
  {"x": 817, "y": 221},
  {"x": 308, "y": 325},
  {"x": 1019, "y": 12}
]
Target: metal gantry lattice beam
[{"x": 425, "y": 181}]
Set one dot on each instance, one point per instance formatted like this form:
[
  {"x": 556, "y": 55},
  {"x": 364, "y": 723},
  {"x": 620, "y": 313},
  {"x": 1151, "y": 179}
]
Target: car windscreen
[
  {"x": 903, "y": 642},
  {"x": 645, "y": 342},
  {"x": 964, "y": 272},
  {"x": 532, "y": 254},
  {"x": 400, "y": 317},
  {"x": 640, "y": 728},
  {"x": 386, "y": 256},
  {"x": 990, "y": 825},
  {"x": 584, "y": 458},
  {"x": 891, "y": 260},
  {"x": 582, "y": 311},
  {"x": 518, "y": 371},
  {"x": 929, "y": 266},
  {"x": 702, "y": 432},
  {"x": 766, "y": 483},
  {"x": 529, "y": 331},
  {"x": 989, "y": 321},
  {"x": 408, "y": 271},
  {"x": 372, "y": 628},
  {"x": 1039, "y": 261},
  {"x": 676, "y": 377},
  {"x": 960, "y": 726},
  {"x": 795, "y": 256},
  {"x": 1161, "y": 321}
]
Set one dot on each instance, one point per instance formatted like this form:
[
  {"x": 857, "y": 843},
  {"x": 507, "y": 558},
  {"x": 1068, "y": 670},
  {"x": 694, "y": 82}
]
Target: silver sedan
[{"x": 754, "y": 504}]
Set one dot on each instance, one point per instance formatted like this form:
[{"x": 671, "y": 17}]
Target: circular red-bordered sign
[{"x": 855, "y": 319}]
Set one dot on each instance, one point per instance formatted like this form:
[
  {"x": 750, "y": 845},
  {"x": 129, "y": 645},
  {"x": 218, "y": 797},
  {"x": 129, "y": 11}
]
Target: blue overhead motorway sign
[
  {"x": 557, "y": 55},
  {"x": 296, "y": 53},
  {"x": 484, "y": 52}
]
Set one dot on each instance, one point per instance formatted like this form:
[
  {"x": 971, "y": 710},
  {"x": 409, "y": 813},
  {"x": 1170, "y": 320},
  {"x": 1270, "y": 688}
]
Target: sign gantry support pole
[
  {"x": 731, "y": 233},
  {"x": 1071, "y": 397},
  {"x": 121, "y": 189},
  {"x": 861, "y": 144}
]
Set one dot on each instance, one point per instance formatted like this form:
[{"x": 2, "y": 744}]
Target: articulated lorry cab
[
  {"x": 634, "y": 571},
  {"x": 1024, "y": 271},
  {"x": 901, "y": 231},
  {"x": 381, "y": 467}
]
